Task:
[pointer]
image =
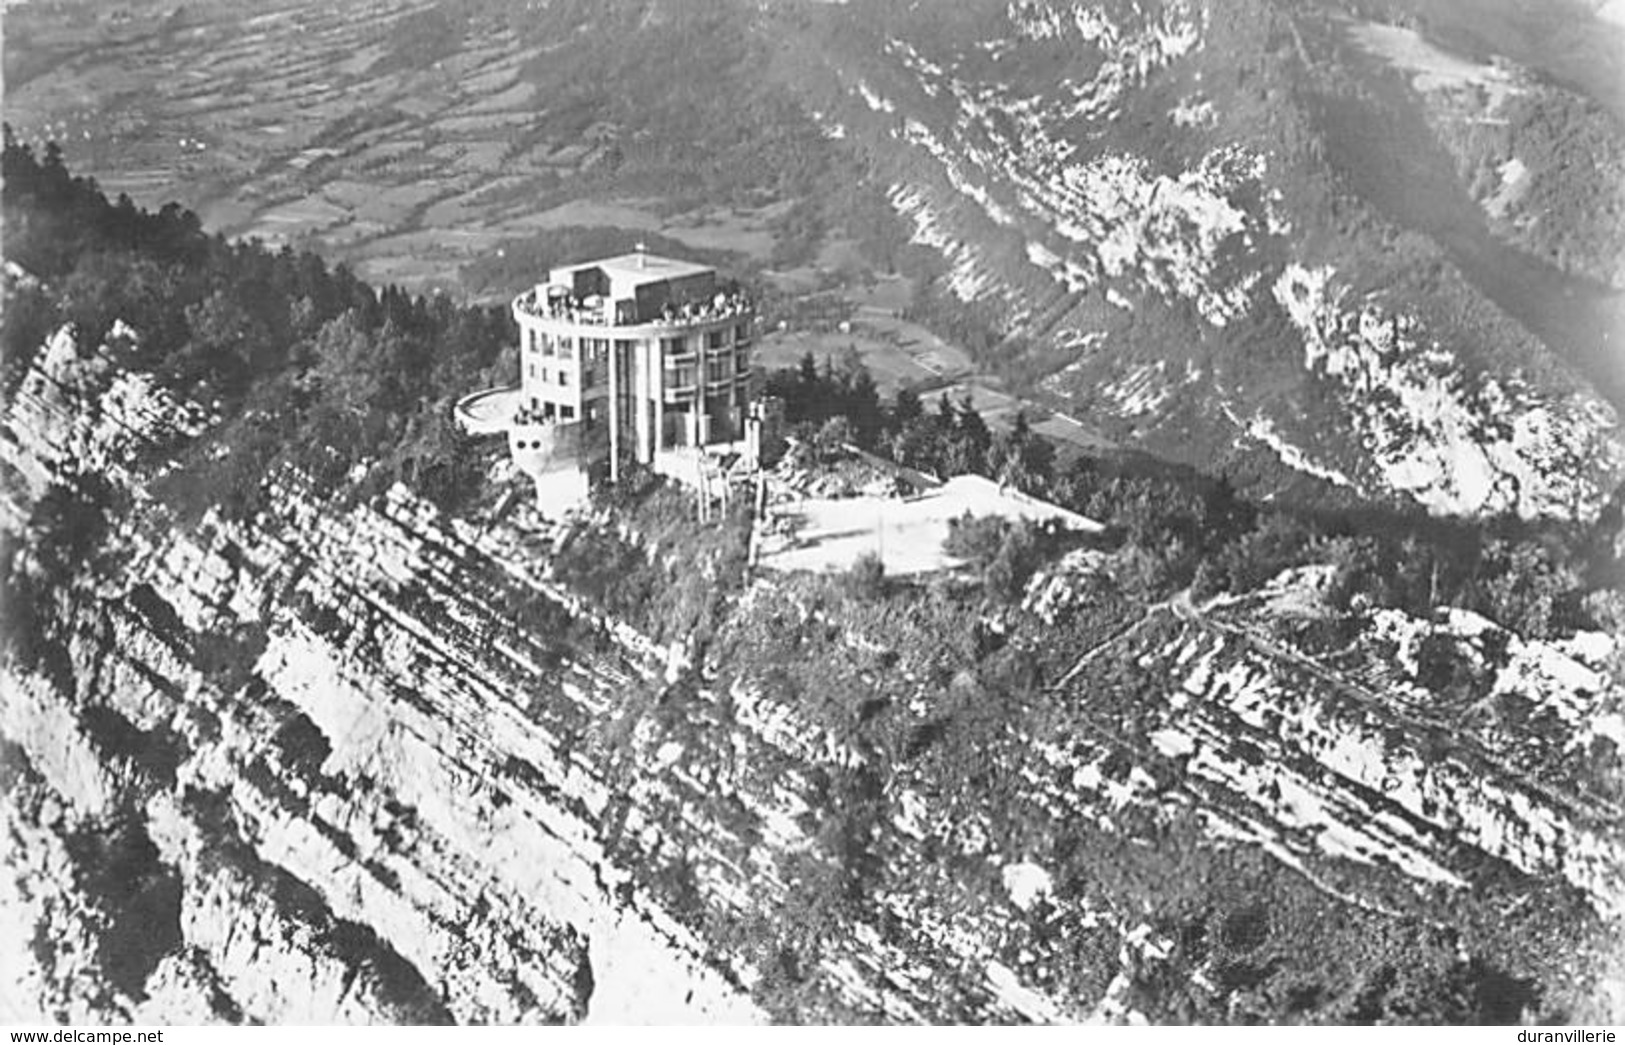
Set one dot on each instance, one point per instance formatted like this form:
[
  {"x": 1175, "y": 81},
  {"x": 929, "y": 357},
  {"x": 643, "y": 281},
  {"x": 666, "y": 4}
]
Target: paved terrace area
[
  {"x": 488, "y": 412},
  {"x": 822, "y": 534}
]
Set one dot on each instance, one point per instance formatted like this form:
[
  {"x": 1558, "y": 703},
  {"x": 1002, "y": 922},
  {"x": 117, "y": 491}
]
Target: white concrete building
[{"x": 654, "y": 350}]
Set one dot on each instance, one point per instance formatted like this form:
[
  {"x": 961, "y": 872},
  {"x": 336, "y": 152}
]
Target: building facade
[{"x": 638, "y": 352}]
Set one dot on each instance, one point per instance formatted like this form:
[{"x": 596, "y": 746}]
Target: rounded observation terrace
[
  {"x": 554, "y": 309},
  {"x": 488, "y": 412}
]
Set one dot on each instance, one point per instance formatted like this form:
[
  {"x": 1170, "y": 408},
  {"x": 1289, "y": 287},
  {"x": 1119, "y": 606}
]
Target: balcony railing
[{"x": 597, "y": 311}]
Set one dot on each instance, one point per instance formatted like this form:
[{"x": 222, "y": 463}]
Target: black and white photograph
[{"x": 812, "y": 512}]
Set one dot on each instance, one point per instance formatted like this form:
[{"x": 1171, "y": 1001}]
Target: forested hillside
[
  {"x": 303, "y": 364},
  {"x": 278, "y": 650}
]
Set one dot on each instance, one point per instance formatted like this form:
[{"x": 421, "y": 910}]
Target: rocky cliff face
[
  {"x": 1141, "y": 189},
  {"x": 371, "y": 764},
  {"x": 310, "y": 768}
]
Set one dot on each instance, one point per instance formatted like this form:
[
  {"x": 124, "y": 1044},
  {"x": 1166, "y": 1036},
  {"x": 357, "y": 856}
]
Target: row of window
[
  {"x": 675, "y": 377},
  {"x": 715, "y": 370},
  {"x": 593, "y": 349},
  {"x": 559, "y": 413},
  {"x": 716, "y": 339},
  {"x": 546, "y": 376},
  {"x": 686, "y": 376},
  {"x": 541, "y": 410}
]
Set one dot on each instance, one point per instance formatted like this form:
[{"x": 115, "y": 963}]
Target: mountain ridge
[
  {"x": 1097, "y": 200},
  {"x": 283, "y": 739}
]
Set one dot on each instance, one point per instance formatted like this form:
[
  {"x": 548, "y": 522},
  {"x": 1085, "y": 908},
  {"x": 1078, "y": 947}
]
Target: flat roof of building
[{"x": 627, "y": 271}]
